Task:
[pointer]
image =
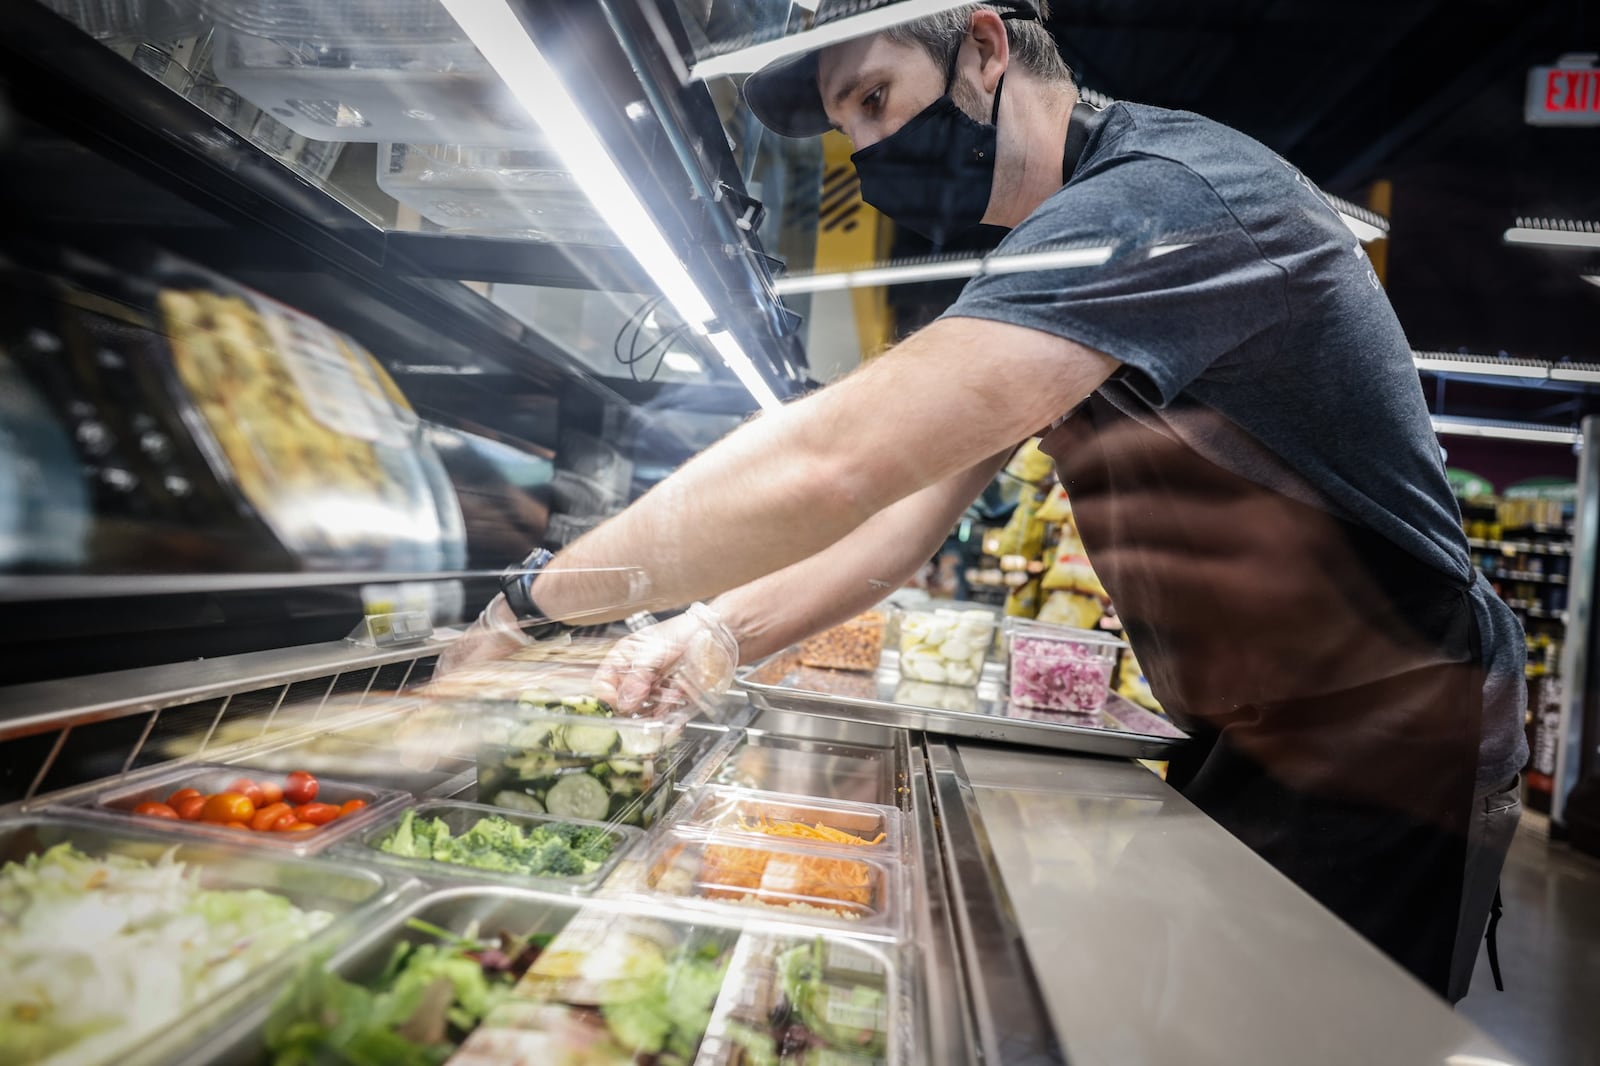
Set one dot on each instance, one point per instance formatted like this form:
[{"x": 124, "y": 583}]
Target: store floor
[{"x": 1549, "y": 955}]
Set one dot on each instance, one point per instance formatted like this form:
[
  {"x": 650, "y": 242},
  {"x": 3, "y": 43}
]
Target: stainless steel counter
[{"x": 1155, "y": 937}]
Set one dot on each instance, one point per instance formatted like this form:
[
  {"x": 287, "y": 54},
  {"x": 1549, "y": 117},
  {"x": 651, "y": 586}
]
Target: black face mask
[{"x": 934, "y": 175}]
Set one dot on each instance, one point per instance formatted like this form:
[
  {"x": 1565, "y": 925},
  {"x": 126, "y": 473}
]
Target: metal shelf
[{"x": 33, "y": 589}]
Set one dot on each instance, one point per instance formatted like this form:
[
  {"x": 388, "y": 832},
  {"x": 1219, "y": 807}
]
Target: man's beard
[{"x": 967, "y": 99}]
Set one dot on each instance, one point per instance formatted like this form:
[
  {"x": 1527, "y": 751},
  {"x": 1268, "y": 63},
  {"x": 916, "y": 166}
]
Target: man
[{"x": 1233, "y": 408}]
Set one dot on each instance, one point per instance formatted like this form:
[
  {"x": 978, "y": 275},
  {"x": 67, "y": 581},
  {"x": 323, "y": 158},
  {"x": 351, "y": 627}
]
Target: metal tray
[
  {"x": 355, "y": 897},
  {"x": 983, "y": 713},
  {"x": 363, "y": 847},
  {"x": 504, "y": 908}
]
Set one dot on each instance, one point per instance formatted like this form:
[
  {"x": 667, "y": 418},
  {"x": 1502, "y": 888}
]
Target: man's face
[{"x": 871, "y": 86}]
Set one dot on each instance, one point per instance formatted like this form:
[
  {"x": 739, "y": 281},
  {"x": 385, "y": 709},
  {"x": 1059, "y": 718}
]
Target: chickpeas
[{"x": 855, "y": 645}]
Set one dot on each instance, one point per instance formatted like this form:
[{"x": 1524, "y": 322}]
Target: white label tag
[{"x": 340, "y": 392}]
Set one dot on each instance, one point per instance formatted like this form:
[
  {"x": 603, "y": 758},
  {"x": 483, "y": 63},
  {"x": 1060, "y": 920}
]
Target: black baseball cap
[{"x": 784, "y": 96}]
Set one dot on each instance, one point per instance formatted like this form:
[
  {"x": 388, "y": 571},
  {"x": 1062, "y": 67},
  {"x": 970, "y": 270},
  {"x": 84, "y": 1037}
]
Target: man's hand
[
  {"x": 694, "y": 652},
  {"x": 495, "y": 635}
]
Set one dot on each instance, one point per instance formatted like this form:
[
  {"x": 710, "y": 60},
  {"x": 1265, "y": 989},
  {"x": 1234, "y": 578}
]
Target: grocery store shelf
[
  {"x": 1525, "y": 575},
  {"x": 44, "y": 705},
  {"x": 1513, "y": 547},
  {"x": 31, "y": 588}
]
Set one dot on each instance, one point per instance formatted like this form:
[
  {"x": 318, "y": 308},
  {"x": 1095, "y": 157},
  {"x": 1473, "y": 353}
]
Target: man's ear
[{"x": 988, "y": 30}]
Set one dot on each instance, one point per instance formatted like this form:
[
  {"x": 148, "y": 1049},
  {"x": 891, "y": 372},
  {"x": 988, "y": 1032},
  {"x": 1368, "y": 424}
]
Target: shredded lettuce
[
  {"x": 99, "y": 952},
  {"x": 557, "y": 849}
]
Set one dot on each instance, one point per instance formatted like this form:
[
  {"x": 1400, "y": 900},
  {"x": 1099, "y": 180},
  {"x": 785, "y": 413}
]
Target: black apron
[{"x": 1333, "y": 682}]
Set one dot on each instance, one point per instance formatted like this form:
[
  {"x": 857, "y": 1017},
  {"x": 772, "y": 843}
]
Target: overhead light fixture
[
  {"x": 753, "y": 58},
  {"x": 1592, "y": 279},
  {"x": 496, "y": 31},
  {"x": 682, "y": 362},
  {"x": 1554, "y": 233},
  {"x": 1481, "y": 365},
  {"x": 942, "y": 270},
  {"x": 1585, "y": 373},
  {"x": 1468, "y": 427}
]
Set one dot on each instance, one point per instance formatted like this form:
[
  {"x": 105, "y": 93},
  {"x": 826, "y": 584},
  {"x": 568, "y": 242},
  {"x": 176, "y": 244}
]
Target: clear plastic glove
[
  {"x": 495, "y": 635},
  {"x": 695, "y": 653}
]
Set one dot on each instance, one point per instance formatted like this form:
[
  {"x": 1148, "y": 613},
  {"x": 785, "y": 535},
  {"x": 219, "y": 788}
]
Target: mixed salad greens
[
  {"x": 556, "y": 849},
  {"x": 816, "y": 1010},
  {"x": 98, "y": 953},
  {"x": 422, "y": 1005},
  {"x": 562, "y": 755}
]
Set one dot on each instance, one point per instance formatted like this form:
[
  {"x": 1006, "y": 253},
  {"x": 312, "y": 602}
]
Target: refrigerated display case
[{"x": 871, "y": 868}]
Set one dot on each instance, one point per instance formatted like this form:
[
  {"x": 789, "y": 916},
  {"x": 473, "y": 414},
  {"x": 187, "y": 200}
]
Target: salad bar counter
[{"x": 498, "y": 869}]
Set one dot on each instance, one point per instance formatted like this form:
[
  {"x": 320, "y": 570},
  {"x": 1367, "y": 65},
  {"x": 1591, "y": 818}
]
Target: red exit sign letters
[{"x": 1567, "y": 94}]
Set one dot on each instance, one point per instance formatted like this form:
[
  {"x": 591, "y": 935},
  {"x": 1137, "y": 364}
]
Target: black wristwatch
[{"x": 516, "y": 584}]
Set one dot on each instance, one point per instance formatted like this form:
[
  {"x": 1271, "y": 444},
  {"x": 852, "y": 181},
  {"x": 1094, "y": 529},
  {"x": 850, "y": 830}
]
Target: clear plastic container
[
  {"x": 331, "y": 21},
  {"x": 1055, "y": 668},
  {"x": 352, "y": 896},
  {"x": 837, "y": 999},
  {"x": 144, "y": 20},
  {"x": 508, "y": 192},
  {"x": 725, "y": 871},
  {"x": 944, "y": 645},
  {"x": 423, "y": 89},
  {"x": 940, "y": 697},
  {"x": 803, "y": 766},
  {"x": 459, "y": 818},
  {"x": 855, "y": 645},
  {"x": 740, "y": 813},
  {"x": 118, "y": 801}
]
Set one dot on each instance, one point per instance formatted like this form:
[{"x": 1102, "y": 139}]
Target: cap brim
[{"x": 784, "y": 97}]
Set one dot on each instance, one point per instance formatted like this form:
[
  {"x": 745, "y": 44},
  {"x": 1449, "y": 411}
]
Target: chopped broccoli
[{"x": 558, "y": 849}]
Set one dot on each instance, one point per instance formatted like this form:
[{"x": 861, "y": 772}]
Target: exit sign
[{"x": 1567, "y": 94}]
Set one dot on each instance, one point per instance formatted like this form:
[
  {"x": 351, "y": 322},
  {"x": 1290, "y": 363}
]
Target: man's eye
[{"x": 873, "y": 100}]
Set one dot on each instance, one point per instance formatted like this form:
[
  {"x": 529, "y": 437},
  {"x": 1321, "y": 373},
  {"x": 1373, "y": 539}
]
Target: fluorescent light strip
[
  {"x": 1552, "y": 238},
  {"x": 1504, "y": 431},
  {"x": 1587, "y": 373},
  {"x": 753, "y": 58},
  {"x": 1592, "y": 279},
  {"x": 942, "y": 270},
  {"x": 1438, "y": 363},
  {"x": 497, "y": 32},
  {"x": 682, "y": 362}
]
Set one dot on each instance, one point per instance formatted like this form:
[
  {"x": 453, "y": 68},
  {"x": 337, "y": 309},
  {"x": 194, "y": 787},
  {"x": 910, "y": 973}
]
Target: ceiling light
[
  {"x": 1592, "y": 279},
  {"x": 1466, "y": 427},
  {"x": 1587, "y": 373},
  {"x": 682, "y": 362},
  {"x": 943, "y": 270},
  {"x": 494, "y": 28},
  {"x": 1482, "y": 365},
  {"x": 753, "y": 58},
  {"x": 1554, "y": 233}
]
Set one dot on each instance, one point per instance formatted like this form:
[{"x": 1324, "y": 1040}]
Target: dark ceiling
[{"x": 1427, "y": 94}]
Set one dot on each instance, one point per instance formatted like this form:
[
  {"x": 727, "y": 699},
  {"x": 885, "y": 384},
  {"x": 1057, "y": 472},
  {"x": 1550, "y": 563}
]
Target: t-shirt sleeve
[{"x": 1139, "y": 259}]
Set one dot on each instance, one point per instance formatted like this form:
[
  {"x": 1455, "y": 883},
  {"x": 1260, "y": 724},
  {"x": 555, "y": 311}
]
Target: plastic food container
[
  {"x": 352, "y": 896},
  {"x": 726, "y": 871},
  {"x": 596, "y": 954},
  {"x": 960, "y": 700},
  {"x": 740, "y": 813},
  {"x": 802, "y": 766},
  {"x": 327, "y": 84},
  {"x": 118, "y": 801},
  {"x": 461, "y": 817},
  {"x": 855, "y": 645},
  {"x": 840, "y": 999},
  {"x": 1054, "y": 668},
  {"x": 946, "y": 645},
  {"x": 506, "y": 192}
]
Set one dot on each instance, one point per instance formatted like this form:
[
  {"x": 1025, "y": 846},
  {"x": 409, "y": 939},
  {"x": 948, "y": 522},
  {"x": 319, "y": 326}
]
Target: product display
[
  {"x": 503, "y": 845},
  {"x": 855, "y": 645},
  {"x": 945, "y": 645},
  {"x": 102, "y": 952},
  {"x": 1053, "y": 668},
  {"x": 825, "y": 882}
]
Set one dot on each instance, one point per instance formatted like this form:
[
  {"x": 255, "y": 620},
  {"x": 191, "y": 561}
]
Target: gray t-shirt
[{"x": 1253, "y": 330}]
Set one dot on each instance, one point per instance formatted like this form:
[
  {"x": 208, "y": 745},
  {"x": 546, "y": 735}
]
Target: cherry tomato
[
  {"x": 249, "y": 789},
  {"x": 227, "y": 807},
  {"x": 351, "y": 807},
  {"x": 181, "y": 795},
  {"x": 271, "y": 792},
  {"x": 237, "y": 825},
  {"x": 296, "y": 827},
  {"x": 267, "y": 817},
  {"x": 189, "y": 808},
  {"x": 317, "y": 813},
  {"x": 156, "y": 810},
  {"x": 300, "y": 788}
]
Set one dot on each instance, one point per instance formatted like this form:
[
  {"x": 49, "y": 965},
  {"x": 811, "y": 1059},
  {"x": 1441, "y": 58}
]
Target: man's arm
[
  {"x": 797, "y": 480},
  {"x": 873, "y": 560}
]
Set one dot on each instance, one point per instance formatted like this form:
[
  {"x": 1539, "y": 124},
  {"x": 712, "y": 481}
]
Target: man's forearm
[{"x": 773, "y": 612}]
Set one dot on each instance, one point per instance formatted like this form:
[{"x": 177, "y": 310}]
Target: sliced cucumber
[
  {"x": 578, "y": 796},
  {"x": 628, "y": 766},
  {"x": 533, "y": 735},
  {"x": 517, "y": 801},
  {"x": 590, "y": 739}
]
